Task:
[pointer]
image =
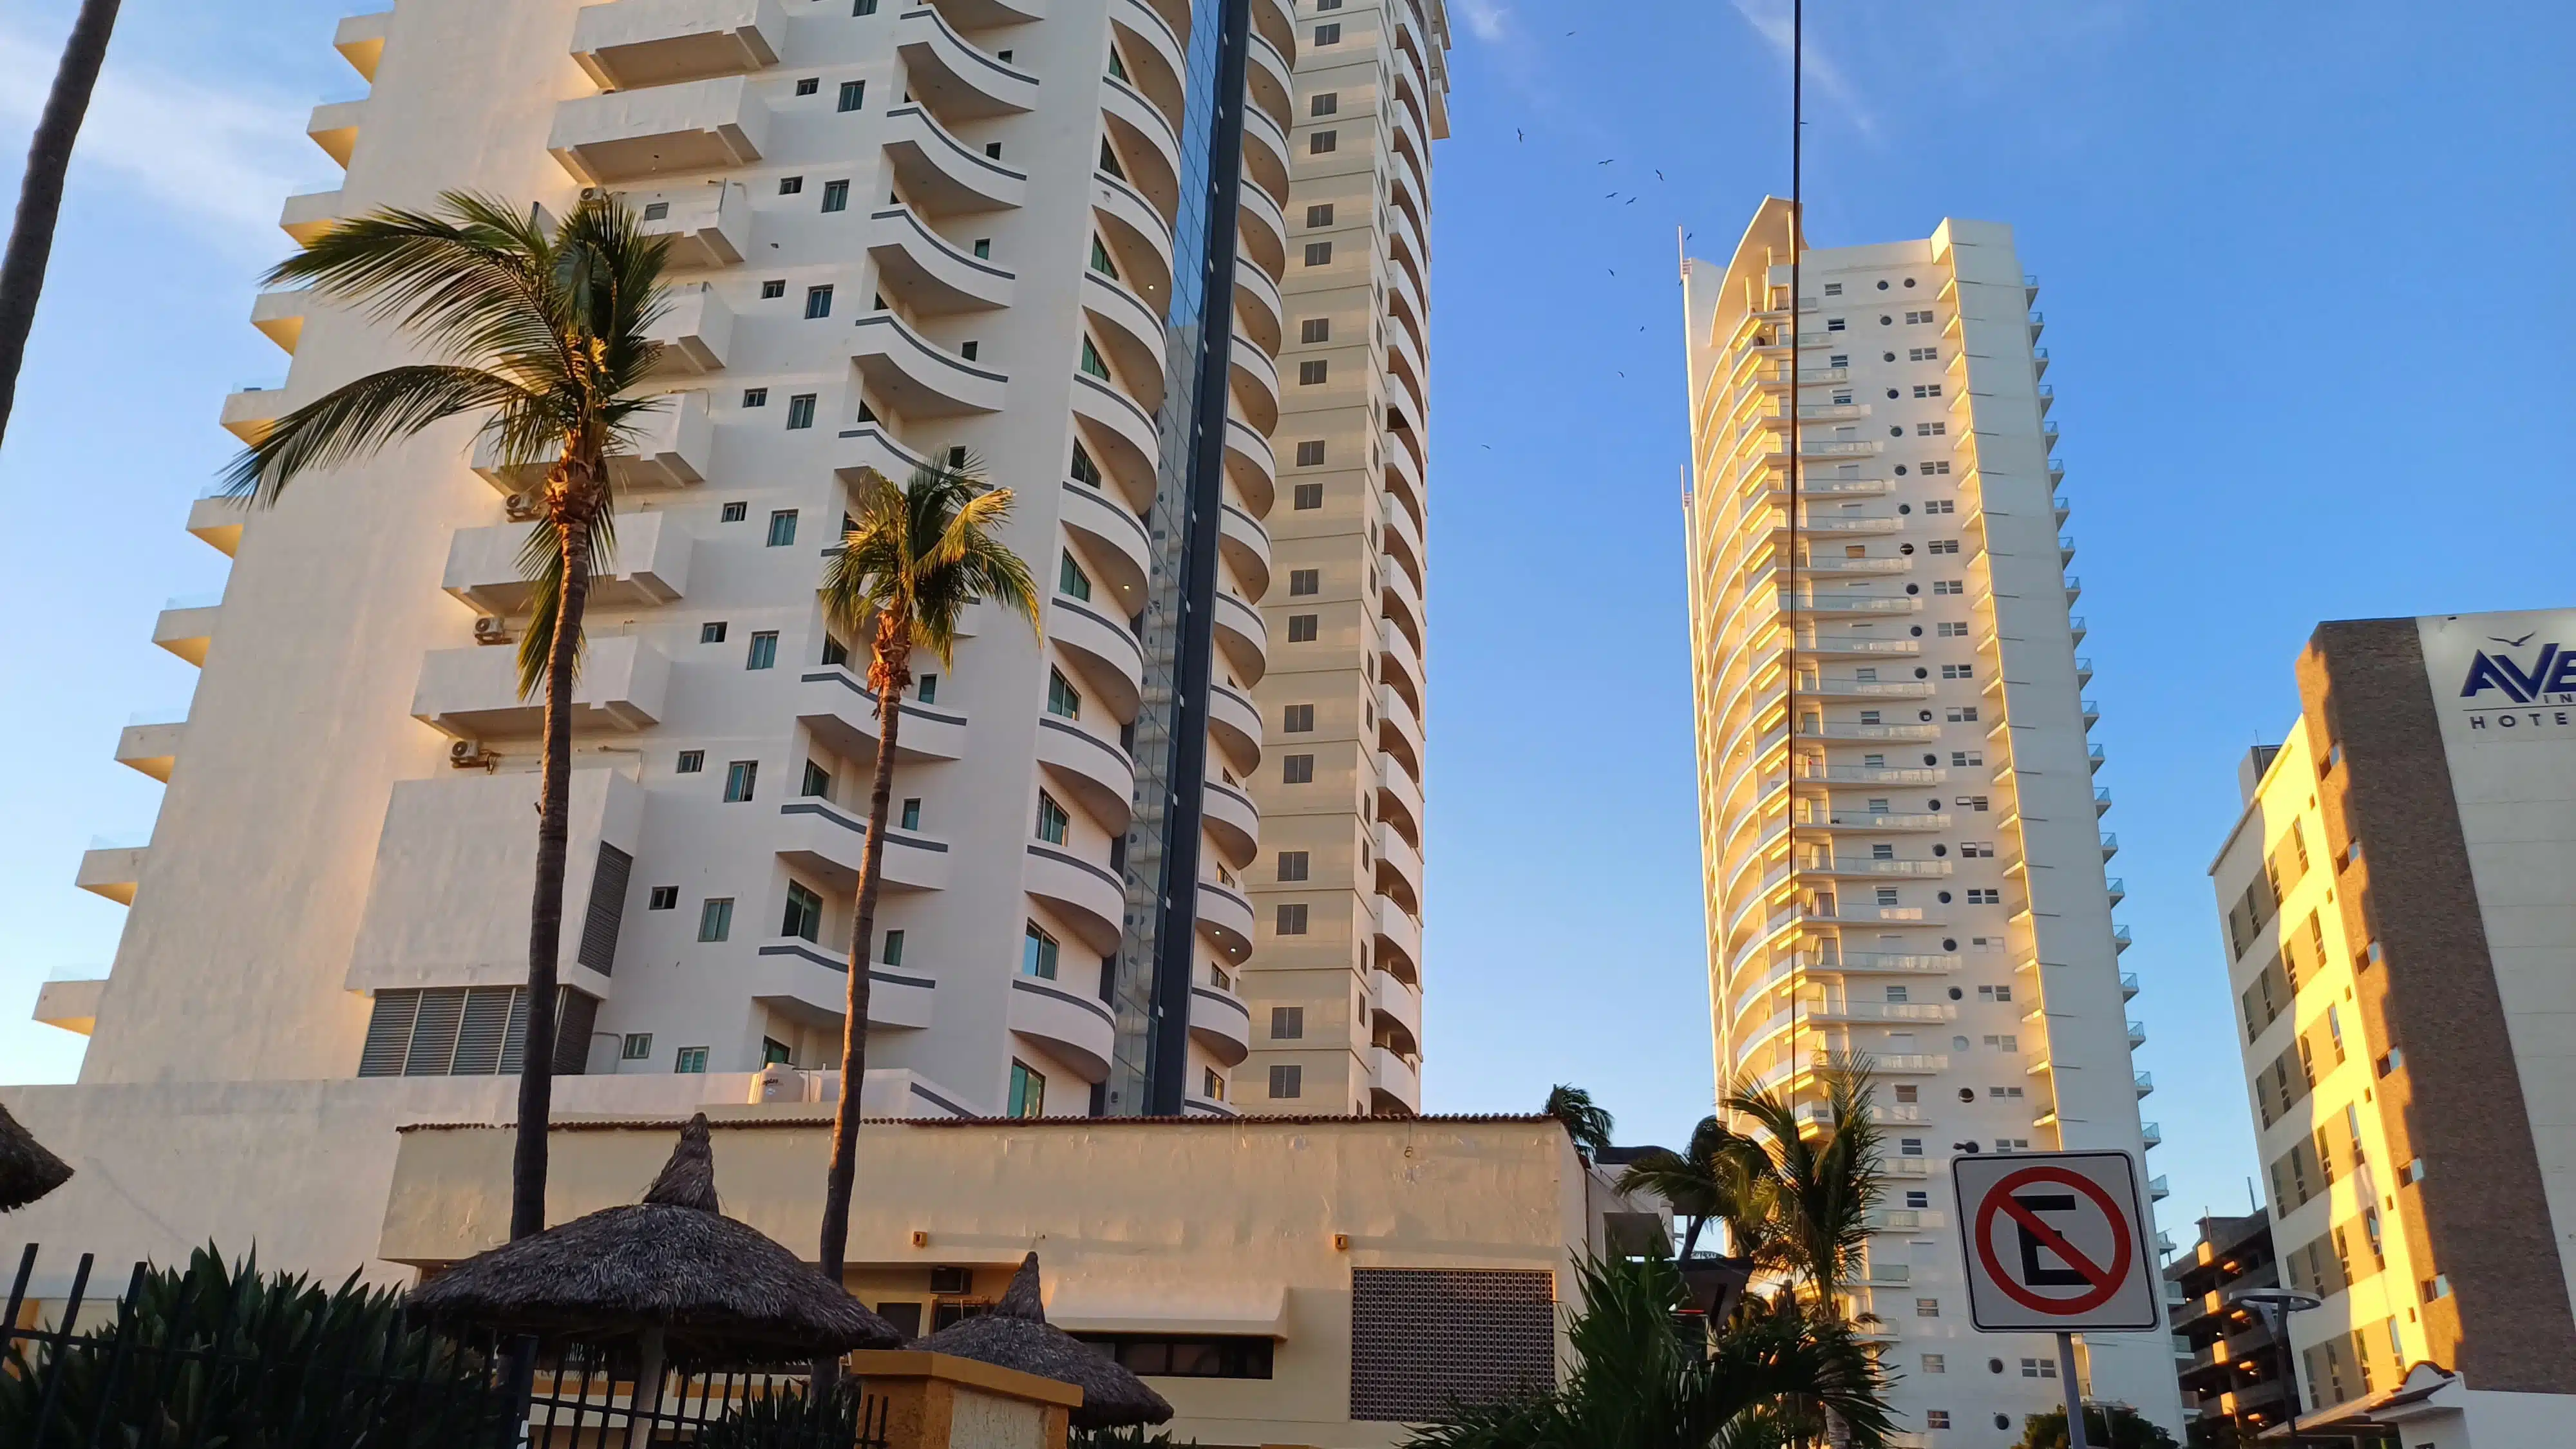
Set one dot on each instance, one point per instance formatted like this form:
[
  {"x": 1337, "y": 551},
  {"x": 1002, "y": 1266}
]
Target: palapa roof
[
  {"x": 27, "y": 1170},
  {"x": 722, "y": 1292},
  {"x": 1016, "y": 1335}
]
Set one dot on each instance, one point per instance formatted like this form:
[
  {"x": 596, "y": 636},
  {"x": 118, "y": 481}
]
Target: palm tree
[
  {"x": 544, "y": 328},
  {"x": 914, "y": 560},
  {"x": 40, "y": 191},
  {"x": 1824, "y": 1183},
  {"x": 1588, "y": 1124},
  {"x": 1645, "y": 1377},
  {"x": 1716, "y": 1178}
]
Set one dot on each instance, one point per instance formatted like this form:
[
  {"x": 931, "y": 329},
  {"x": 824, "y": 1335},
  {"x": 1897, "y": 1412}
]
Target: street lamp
[{"x": 2276, "y": 1305}]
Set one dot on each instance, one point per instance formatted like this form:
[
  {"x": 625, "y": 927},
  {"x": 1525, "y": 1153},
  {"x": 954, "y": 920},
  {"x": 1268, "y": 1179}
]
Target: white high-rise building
[
  {"x": 1039, "y": 233},
  {"x": 1899, "y": 823}
]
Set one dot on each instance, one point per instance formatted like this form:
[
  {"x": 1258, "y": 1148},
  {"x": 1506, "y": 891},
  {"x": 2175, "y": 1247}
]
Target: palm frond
[
  {"x": 1586, "y": 1121},
  {"x": 472, "y": 283},
  {"x": 358, "y": 418},
  {"x": 542, "y": 564}
]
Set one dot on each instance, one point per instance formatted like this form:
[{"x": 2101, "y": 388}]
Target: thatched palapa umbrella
[
  {"x": 672, "y": 1272},
  {"x": 1016, "y": 1335},
  {"x": 27, "y": 1170}
]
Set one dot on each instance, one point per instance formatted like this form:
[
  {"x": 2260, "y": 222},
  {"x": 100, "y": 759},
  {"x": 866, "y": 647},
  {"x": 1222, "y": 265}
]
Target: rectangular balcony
[
  {"x": 186, "y": 626},
  {"x": 703, "y": 125},
  {"x": 71, "y": 1005},
  {"x": 473, "y": 693},
  {"x": 151, "y": 748},
  {"x": 709, "y": 224},
  {"x": 674, "y": 447},
  {"x": 334, "y": 127},
  {"x": 111, "y": 867},
  {"x": 635, "y": 43},
  {"x": 650, "y": 565},
  {"x": 307, "y": 216}
]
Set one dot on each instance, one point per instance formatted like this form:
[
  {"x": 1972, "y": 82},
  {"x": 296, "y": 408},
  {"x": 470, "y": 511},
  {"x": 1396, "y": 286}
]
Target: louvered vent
[
  {"x": 433, "y": 1033},
  {"x": 388, "y": 1034},
  {"x": 457, "y": 1031},
  {"x": 607, "y": 910}
]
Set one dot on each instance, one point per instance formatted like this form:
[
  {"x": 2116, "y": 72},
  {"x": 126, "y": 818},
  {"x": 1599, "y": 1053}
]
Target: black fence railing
[{"x": 216, "y": 1357}]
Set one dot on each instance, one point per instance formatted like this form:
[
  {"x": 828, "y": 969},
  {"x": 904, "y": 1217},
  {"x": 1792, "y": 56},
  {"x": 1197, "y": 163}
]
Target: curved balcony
[
  {"x": 1269, "y": 81},
  {"x": 958, "y": 80},
  {"x": 927, "y": 272},
  {"x": 1262, "y": 229},
  {"x": 473, "y": 693},
  {"x": 1265, "y": 153},
  {"x": 1252, "y": 465},
  {"x": 986, "y": 14},
  {"x": 1129, "y": 331},
  {"x": 635, "y": 43},
  {"x": 1400, "y": 663},
  {"x": 1396, "y": 999},
  {"x": 1146, "y": 143},
  {"x": 1260, "y": 312},
  {"x": 1225, "y": 919},
  {"x": 1232, "y": 822},
  {"x": 942, "y": 175},
  {"x": 1399, "y": 729},
  {"x": 1242, "y": 636},
  {"x": 1273, "y": 21},
  {"x": 1234, "y": 722},
  {"x": 1156, "y": 58},
  {"x": 870, "y": 448},
  {"x": 1102, "y": 650},
  {"x": 1403, "y": 605},
  {"x": 1121, "y": 434},
  {"x": 1399, "y": 869},
  {"x": 1094, "y": 771},
  {"x": 1255, "y": 380},
  {"x": 1072, "y": 1028},
  {"x": 1221, "y": 1024},
  {"x": 1398, "y": 934},
  {"x": 919, "y": 378},
  {"x": 1404, "y": 481},
  {"x": 1122, "y": 555},
  {"x": 837, "y": 708},
  {"x": 704, "y": 125},
  {"x": 1405, "y": 301},
  {"x": 1246, "y": 546},
  {"x": 1399, "y": 798},
  {"x": 1090, "y": 899},
  {"x": 812, "y": 986},
  {"x": 1395, "y": 1084},
  {"x": 1404, "y": 242},
  {"x": 829, "y": 844},
  {"x": 1132, "y": 221},
  {"x": 1403, "y": 542}
]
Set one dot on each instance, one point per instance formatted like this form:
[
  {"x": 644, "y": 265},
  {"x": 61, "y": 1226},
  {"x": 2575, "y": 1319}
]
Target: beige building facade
[
  {"x": 1901, "y": 845},
  {"x": 2395, "y": 907}
]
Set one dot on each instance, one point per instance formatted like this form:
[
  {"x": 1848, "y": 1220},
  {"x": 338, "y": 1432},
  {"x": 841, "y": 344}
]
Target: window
[
  {"x": 1320, "y": 214},
  {"x": 790, "y": 185},
  {"x": 2012, "y": 1144},
  {"x": 742, "y": 777},
  {"x": 2392, "y": 1061},
  {"x": 1310, "y": 454},
  {"x": 834, "y": 651},
  {"x": 863, "y": 7},
  {"x": 1887, "y": 897},
  {"x": 1292, "y": 864},
  {"x": 809, "y": 85},
  {"x": 1941, "y": 505},
  {"x": 804, "y": 917},
  {"x": 1211, "y": 1086},
  {"x": 836, "y": 194},
  {"x": 1933, "y": 470},
  {"x": 1923, "y": 354},
  {"x": 892, "y": 955},
  {"x": 690, "y": 762},
  {"x": 1038, "y": 952},
  {"x": 853, "y": 95},
  {"x": 782, "y": 528},
  {"x": 1292, "y": 920},
  {"x": 2004, "y": 1094},
  {"x": 1311, "y": 372},
  {"x": 1958, "y": 671},
  {"x": 1927, "y": 1307},
  {"x": 2437, "y": 1286},
  {"x": 1319, "y": 254},
  {"x": 1101, "y": 261},
  {"x": 637, "y": 1047},
  {"x": 1927, "y": 389},
  {"x": 1069, "y": 577},
  {"x": 1109, "y": 161},
  {"x": 1053, "y": 823},
  {"x": 1948, "y": 587},
  {"x": 1084, "y": 470},
  {"x": 800, "y": 411},
  {"x": 1949, "y": 631},
  {"x": 1315, "y": 329},
  {"x": 1934, "y": 1363},
  {"x": 1936, "y": 1418},
  {"x": 1965, "y": 714},
  {"x": 690, "y": 1060},
  {"x": 733, "y": 513},
  {"x": 1091, "y": 362},
  {"x": 755, "y": 397},
  {"x": 1028, "y": 1091},
  {"x": 1325, "y": 103},
  {"x": 2006, "y": 1042},
  {"x": 1328, "y": 34},
  {"x": 1063, "y": 700},
  {"x": 1909, "y": 1147},
  {"x": 909, "y": 818},
  {"x": 1835, "y": 324},
  {"x": 2411, "y": 1173},
  {"x": 2039, "y": 1368},
  {"x": 1298, "y": 719},
  {"x": 764, "y": 651},
  {"x": 1308, "y": 495},
  {"x": 1943, "y": 545},
  {"x": 1985, "y": 897},
  {"x": 712, "y": 632},
  {"x": 1287, "y": 1023},
  {"x": 817, "y": 782},
  {"x": 1305, "y": 581},
  {"x": 715, "y": 919},
  {"x": 1297, "y": 770},
  {"x": 776, "y": 1053},
  {"x": 1916, "y": 319},
  {"x": 1287, "y": 1082},
  {"x": 1918, "y": 1199},
  {"x": 1833, "y": 289},
  {"x": 1930, "y": 430},
  {"x": 1322, "y": 142},
  {"x": 1301, "y": 628},
  {"x": 662, "y": 898},
  {"x": 818, "y": 302},
  {"x": 1227, "y": 1357}
]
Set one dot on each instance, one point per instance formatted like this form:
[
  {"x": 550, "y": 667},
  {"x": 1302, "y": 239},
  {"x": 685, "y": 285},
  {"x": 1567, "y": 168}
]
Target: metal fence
[{"x": 173, "y": 1364}]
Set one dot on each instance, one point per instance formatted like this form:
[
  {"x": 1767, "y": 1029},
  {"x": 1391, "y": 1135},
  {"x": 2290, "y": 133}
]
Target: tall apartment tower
[
  {"x": 1336, "y": 980},
  {"x": 2395, "y": 908},
  {"x": 1059, "y": 237},
  {"x": 1899, "y": 822}
]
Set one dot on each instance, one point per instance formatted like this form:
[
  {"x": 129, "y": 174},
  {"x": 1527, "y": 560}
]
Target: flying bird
[
  {"x": 1659, "y": 175},
  {"x": 1605, "y": 161},
  {"x": 1519, "y": 134},
  {"x": 2512, "y": 643},
  {"x": 1632, "y": 201}
]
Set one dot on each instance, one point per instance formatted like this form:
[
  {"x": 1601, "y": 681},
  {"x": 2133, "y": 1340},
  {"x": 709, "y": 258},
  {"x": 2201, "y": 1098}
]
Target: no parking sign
[{"x": 2056, "y": 1242}]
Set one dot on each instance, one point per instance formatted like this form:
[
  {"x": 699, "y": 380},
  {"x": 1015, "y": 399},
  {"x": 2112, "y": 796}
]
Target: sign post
[{"x": 2056, "y": 1242}]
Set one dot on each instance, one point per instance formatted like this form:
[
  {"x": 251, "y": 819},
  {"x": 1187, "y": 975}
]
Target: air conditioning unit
[
  {"x": 470, "y": 755},
  {"x": 522, "y": 507},
  {"x": 490, "y": 630}
]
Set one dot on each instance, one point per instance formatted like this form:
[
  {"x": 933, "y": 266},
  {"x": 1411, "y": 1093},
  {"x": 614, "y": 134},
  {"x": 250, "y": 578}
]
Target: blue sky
[{"x": 2276, "y": 244}]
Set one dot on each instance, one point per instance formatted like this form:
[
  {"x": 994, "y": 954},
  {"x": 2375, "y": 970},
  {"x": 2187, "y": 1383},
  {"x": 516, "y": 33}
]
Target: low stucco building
[{"x": 1282, "y": 1280}]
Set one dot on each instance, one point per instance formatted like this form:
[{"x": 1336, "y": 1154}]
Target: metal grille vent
[{"x": 1424, "y": 1339}]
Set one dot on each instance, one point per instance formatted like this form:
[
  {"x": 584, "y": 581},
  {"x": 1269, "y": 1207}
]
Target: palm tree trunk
[
  {"x": 554, "y": 831},
  {"x": 40, "y": 192},
  {"x": 888, "y": 673}
]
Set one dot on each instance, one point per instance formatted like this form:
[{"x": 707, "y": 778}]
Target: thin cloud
[
  {"x": 219, "y": 160},
  {"x": 1770, "y": 20},
  {"x": 1485, "y": 19}
]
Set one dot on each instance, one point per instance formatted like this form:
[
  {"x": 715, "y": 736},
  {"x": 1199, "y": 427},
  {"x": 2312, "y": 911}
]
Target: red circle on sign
[{"x": 2104, "y": 1286}]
